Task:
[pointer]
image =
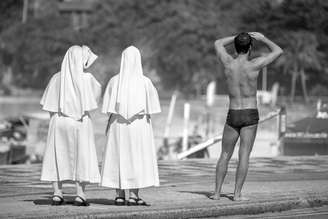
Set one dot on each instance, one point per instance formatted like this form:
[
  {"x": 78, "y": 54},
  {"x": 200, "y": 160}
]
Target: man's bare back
[
  {"x": 242, "y": 119},
  {"x": 241, "y": 73},
  {"x": 241, "y": 78}
]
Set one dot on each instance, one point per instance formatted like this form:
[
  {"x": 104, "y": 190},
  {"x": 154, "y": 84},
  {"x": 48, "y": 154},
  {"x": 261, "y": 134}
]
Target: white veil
[
  {"x": 67, "y": 91},
  {"x": 130, "y": 92}
]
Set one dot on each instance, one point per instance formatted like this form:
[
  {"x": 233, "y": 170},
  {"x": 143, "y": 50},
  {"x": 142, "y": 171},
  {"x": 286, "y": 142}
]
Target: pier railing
[{"x": 279, "y": 114}]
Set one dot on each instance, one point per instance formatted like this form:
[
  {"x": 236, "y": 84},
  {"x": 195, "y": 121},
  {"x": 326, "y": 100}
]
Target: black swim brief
[{"x": 238, "y": 119}]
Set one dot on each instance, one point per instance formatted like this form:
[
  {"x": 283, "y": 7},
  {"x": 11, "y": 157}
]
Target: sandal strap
[
  {"x": 83, "y": 203},
  {"x": 83, "y": 200},
  {"x": 119, "y": 198},
  {"x": 137, "y": 200},
  {"x": 134, "y": 199}
]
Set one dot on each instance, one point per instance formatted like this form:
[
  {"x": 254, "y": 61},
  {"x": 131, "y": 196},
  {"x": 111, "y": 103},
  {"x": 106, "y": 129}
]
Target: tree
[
  {"x": 302, "y": 55},
  {"x": 186, "y": 59},
  {"x": 175, "y": 37},
  {"x": 296, "y": 25},
  {"x": 10, "y": 13},
  {"x": 37, "y": 52}
]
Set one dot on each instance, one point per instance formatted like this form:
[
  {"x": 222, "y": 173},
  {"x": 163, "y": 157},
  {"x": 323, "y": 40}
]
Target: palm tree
[{"x": 301, "y": 53}]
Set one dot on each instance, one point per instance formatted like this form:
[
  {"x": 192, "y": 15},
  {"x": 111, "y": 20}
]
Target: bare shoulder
[
  {"x": 222, "y": 53},
  {"x": 256, "y": 60},
  {"x": 259, "y": 62}
]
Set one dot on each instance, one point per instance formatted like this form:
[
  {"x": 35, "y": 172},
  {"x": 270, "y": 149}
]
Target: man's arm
[
  {"x": 221, "y": 51},
  {"x": 266, "y": 59}
]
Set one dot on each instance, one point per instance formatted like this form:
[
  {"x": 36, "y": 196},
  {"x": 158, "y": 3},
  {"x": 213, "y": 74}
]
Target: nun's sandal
[
  {"x": 137, "y": 201},
  {"x": 83, "y": 202},
  {"x": 57, "y": 202},
  {"x": 119, "y": 201}
]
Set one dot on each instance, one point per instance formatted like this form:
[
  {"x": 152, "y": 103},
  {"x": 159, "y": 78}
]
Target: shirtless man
[{"x": 242, "y": 119}]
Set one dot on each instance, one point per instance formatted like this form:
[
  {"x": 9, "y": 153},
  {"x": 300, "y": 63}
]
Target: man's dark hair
[{"x": 243, "y": 42}]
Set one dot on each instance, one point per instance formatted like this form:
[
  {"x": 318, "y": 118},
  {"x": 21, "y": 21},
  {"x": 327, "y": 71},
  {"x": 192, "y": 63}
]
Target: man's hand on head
[
  {"x": 256, "y": 35},
  {"x": 265, "y": 59}
]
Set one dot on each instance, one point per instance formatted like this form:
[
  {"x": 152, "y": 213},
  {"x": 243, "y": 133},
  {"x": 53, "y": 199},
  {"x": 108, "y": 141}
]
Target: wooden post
[
  {"x": 207, "y": 122},
  {"x": 210, "y": 95},
  {"x": 186, "y": 116},
  {"x": 25, "y": 11},
  {"x": 169, "y": 118},
  {"x": 264, "y": 78},
  {"x": 282, "y": 126}
]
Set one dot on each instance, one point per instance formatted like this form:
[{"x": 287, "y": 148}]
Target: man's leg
[
  {"x": 229, "y": 139},
  {"x": 247, "y": 137}
]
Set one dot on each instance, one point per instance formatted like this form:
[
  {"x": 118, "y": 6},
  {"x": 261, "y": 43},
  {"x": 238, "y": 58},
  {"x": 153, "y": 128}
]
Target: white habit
[
  {"x": 70, "y": 152},
  {"x": 130, "y": 158}
]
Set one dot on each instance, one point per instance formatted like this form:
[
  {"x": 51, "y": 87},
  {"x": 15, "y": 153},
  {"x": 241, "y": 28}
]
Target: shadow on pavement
[
  {"x": 70, "y": 201},
  {"x": 101, "y": 201}
]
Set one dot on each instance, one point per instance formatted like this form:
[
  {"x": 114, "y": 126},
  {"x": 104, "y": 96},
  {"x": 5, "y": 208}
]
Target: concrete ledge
[
  {"x": 237, "y": 208},
  {"x": 273, "y": 185}
]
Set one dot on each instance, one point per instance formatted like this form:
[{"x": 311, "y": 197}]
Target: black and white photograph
[{"x": 164, "y": 109}]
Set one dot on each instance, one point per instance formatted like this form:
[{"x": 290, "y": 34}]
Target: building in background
[{"x": 78, "y": 11}]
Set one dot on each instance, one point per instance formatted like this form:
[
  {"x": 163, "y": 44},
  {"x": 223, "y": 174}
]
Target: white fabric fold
[
  {"x": 71, "y": 91},
  {"x": 130, "y": 92},
  {"x": 70, "y": 153},
  {"x": 88, "y": 56}
]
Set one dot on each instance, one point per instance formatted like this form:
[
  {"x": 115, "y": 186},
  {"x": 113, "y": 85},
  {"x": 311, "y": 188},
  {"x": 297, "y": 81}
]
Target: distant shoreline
[{"x": 19, "y": 99}]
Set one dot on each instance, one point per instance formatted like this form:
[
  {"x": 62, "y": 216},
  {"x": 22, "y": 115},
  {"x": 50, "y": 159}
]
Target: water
[{"x": 264, "y": 145}]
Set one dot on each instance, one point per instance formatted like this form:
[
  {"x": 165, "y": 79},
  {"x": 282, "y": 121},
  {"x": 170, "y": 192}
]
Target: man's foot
[
  {"x": 240, "y": 198},
  {"x": 215, "y": 196}
]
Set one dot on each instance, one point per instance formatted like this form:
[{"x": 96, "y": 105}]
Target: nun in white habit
[
  {"x": 70, "y": 154},
  {"x": 130, "y": 158}
]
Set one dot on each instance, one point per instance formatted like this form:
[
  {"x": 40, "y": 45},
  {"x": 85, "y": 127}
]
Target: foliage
[
  {"x": 10, "y": 12},
  {"x": 300, "y": 28},
  {"x": 175, "y": 37},
  {"x": 38, "y": 51}
]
